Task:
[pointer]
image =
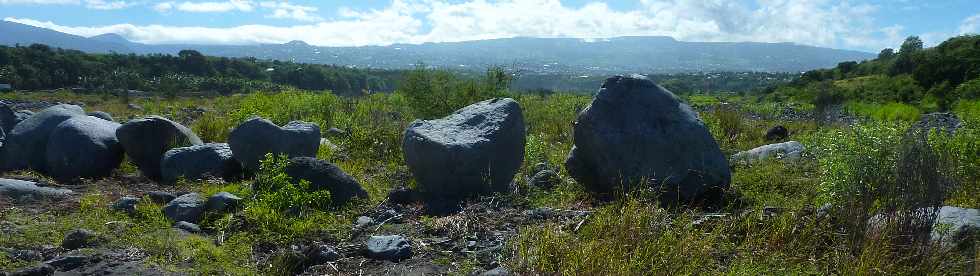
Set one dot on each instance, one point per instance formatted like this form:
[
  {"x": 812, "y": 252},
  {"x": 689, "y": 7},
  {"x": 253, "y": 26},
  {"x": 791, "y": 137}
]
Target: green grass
[{"x": 628, "y": 236}]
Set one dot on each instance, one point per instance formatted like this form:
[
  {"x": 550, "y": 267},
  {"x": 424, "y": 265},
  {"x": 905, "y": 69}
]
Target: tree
[
  {"x": 887, "y": 53},
  {"x": 911, "y": 45},
  {"x": 194, "y": 62}
]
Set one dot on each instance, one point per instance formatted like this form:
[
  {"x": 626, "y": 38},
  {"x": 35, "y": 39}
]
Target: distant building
[{"x": 6, "y": 87}]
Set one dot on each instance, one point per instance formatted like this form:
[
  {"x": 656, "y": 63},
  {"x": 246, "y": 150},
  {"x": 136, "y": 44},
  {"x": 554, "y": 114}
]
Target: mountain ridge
[{"x": 653, "y": 54}]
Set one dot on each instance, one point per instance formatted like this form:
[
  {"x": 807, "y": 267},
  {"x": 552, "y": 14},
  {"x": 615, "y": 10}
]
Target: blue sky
[{"x": 867, "y": 25}]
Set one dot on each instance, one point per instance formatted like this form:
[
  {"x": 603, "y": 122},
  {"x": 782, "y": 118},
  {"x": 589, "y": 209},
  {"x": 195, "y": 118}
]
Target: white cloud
[
  {"x": 970, "y": 25},
  {"x": 813, "y": 22},
  {"x": 284, "y": 10},
  {"x": 225, "y": 6},
  {"x": 91, "y": 4}
]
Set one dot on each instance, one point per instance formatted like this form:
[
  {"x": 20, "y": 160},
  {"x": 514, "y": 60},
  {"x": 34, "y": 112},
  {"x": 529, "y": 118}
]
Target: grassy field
[{"x": 772, "y": 222}]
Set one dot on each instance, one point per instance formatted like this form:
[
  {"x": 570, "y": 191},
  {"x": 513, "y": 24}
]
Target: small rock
[
  {"x": 134, "y": 106},
  {"x": 79, "y": 238},
  {"x": 187, "y": 226},
  {"x": 199, "y": 161},
  {"x": 392, "y": 248},
  {"x": 321, "y": 254},
  {"x": 336, "y": 132},
  {"x": 188, "y": 207},
  {"x": 67, "y": 263},
  {"x": 541, "y": 213},
  {"x": 499, "y": 271},
  {"x": 545, "y": 179},
  {"x": 363, "y": 221},
  {"x": 788, "y": 151},
  {"x": 126, "y": 204},
  {"x": 159, "y": 197},
  {"x": 777, "y": 133},
  {"x": 19, "y": 189},
  {"x": 222, "y": 202}
]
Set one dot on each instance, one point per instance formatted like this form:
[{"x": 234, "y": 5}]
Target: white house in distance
[{"x": 6, "y": 87}]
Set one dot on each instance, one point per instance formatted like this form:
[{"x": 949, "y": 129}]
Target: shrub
[{"x": 436, "y": 93}]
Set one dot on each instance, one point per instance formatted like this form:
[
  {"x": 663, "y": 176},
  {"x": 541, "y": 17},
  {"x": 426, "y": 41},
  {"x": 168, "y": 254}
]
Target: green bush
[{"x": 437, "y": 93}]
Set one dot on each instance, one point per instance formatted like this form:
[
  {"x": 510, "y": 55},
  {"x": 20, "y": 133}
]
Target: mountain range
[{"x": 647, "y": 54}]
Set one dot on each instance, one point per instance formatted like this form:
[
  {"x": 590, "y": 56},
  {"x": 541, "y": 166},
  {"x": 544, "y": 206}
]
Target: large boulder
[
  {"x": 323, "y": 175},
  {"x": 636, "y": 134},
  {"x": 27, "y": 142},
  {"x": 146, "y": 140},
  {"x": 197, "y": 162},
  {"x": 8, "y": 118},
  {"x": 955, "y": 226},
  {"x": 83, "y": 146},
  {"x": 188, "y": 207},
  {"x": 787, "y": 151},
  {"x": 476, "y": 150},
  {"x": 256, "y": 137}
]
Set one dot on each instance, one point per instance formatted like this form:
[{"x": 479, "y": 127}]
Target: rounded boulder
[
  {"x": 26, "y": 144},
  {"x": 83, "y": 146},
  {"x": 256, "y": 137},
  {"x": 323, "y": 175},
  {"x": 146, "y": 140},
  {"x": 200, "y": 161}
]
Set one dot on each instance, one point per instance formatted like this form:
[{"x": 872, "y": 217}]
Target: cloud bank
[{"x": 811, "y": 22}]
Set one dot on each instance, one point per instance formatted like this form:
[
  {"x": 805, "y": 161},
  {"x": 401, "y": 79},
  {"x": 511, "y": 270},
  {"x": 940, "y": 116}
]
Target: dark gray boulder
[
  {"x": 955, "y": 226},
  {"x": 777, "y": 133},
  {"x": 8, "y": 118},
  {"x": 27, "y": 142},
  {"x": 474, "y": 151},
  {"x": 321, "y": 254},
  {"x": 545, "y": 179},
  {"x": 19, "y": 189},
  {"x": 323, "y": 175},
  {"x": 391, "y": 248},
  {"x": 636, "y": 134},
  {"x": 160, "y": 197},
  {"x": 40, "y": 270},
  {"x": 256, "y": 137},
  {"x": 80, "y": 238},
  {"x": 83, "y": 146},
  {"x": 67, "y": 263},
  {"x": 188, "y": 207},
  {"x": 102, "y": 115},
  {"x": 198, "y": 162},
  {"x": 146, "y": 140},
  {"x": 125, "y": 204},
  {"x": 222, "y": 202}
]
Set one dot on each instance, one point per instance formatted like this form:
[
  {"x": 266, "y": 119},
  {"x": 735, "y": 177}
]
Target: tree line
[
  {"x": 38, "y": 67},
  {"x": 937, "y": 76}
]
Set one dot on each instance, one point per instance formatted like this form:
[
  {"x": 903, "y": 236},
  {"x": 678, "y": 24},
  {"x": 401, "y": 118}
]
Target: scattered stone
[
  {"x": 79, "y": 238},
  {"x": 188, "y": 227},
  {"x": 199, "y": 161},
  {"x": 499, "y": 271},
  {"x": 636, "y": 133},
  {"x": 20, "y": 189},
  {"x": 102, "y": 115},
  {"x": 159, "y": 197},
  {"x": 321, "y": 254},
  {"x": 541, "y": 213},
  {"x": 222, "y": 202},
  {"x": 401, "y": 195},
  {"x": 41, "y": 270},
  {"x": 956, "y": 225},
  {"x": 324, "y": 142},
  {"x": 323, "y": 175},
  {"x": 126, "y": 204},
  {"x": 256, "y": 137},
  {"x": 790, "y": 151},
  {"x": 540, "y": 167},
  {"x": 27, "y": 142},
  {"x": 391, "y": 248},
  {"x": 363, "y": 221},
  {"x": 146, "y": 140},
  {"x": 83, "y": 147},
  {"x": 188, "y": 207},
  {"x": 777, "y": 133},
  {"x": 474, "y": 151},
  {"x": 943, "y": 122},
  {"x": 545, "y": 179},
  {"x": 67, "y": 263},
  {"x": 289, "y": 261},
  {"x": 134, "y": 106}
]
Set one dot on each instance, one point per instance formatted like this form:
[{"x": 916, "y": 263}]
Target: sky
[{"x": 864, "y": 25}]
